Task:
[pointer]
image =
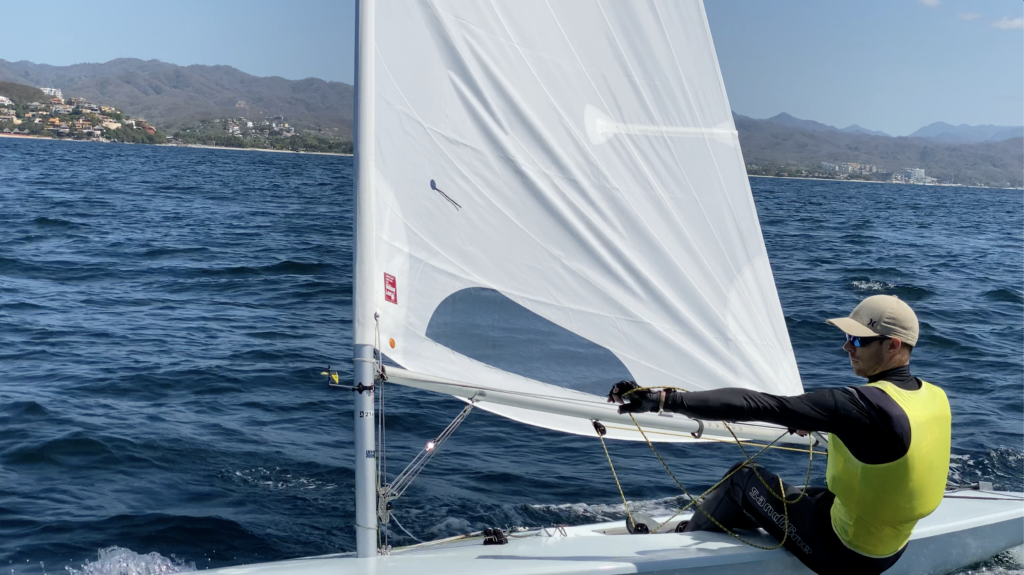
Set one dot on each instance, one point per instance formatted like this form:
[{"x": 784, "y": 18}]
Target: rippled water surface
[{"x": 165, "y": 314}]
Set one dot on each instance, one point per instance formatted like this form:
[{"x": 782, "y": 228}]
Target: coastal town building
[
  {"x": 55, "y": 92},
  {"x": 848, "y": 168},
  {"x": 914, "y": 175},
  {"x": 74, "y": 118},
  {"x": 80, "y": 119}
]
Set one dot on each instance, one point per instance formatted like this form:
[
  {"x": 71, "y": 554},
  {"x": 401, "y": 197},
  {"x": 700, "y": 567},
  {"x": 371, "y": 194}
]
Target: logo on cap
[{"x": 871, "y": 323}]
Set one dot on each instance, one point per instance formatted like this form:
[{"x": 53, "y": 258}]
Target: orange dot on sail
[{"x": 391, "y": 341}]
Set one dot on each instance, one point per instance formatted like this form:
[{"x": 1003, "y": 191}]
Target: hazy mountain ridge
[
  {"x": 939, "y": 131},
  {"x": 789, "y": 121},
  {"x": 943, "y": 132},
  {"x": 768, "y": 142},
  {"x": 855, "y": 129},
  {"x": 173, "y": 96}
]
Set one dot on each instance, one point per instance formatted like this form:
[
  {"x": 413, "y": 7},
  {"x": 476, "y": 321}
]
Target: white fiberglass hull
[{"x": 968, "y": 527}]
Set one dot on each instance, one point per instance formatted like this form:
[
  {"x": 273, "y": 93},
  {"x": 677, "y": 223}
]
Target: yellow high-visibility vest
[{"x": 877, "y": 506}]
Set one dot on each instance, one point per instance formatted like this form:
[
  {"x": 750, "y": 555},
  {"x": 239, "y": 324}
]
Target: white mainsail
[{"x": 580, "y": 158}]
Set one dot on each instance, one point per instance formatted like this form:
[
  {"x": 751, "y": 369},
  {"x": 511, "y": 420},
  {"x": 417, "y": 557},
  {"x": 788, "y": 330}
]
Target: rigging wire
[
  {"x": 388, "y": 492},
  {"x": 381, "y": 452}
]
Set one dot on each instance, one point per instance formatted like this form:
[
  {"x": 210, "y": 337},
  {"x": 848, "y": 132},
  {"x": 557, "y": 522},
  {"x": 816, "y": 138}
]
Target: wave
[
  {"x": 872, "y": 285},
  {"x": 77, "y": 449},
  {"x": 575, "y": 512},
  {"x": 17, "y": 410},
  {"x": 163, "y": 252},
  {"x": 38, "y": 354},
  {"x": 212, "y": 541},
  {"x": 859, "y": 239},
  {"x": 29, "y": 239},
  {"x": 61, "y": 270},
  {"x": 277, "y": 479},
  {"x": 287, "y": 267},
  {"x": 1003, "y": 466},
  {"x": 56, "y": 222},
  {"x": 20, "y": 306},
  {"x": 903, "y": 291},
  {"x": 1004, "y": 295},
  {"x": 276, "y": 335}
]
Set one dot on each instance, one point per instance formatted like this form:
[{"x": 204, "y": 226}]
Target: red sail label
[{"x": 390, "y": 290}]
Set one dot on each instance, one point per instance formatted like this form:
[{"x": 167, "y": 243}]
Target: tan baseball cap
[{"x": 878, "y": 315}]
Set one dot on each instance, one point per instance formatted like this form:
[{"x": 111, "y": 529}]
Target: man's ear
[{"x": 895, "y": 344}]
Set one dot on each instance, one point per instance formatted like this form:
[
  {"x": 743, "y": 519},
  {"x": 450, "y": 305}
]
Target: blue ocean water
[{"x": 165, "y": 314}]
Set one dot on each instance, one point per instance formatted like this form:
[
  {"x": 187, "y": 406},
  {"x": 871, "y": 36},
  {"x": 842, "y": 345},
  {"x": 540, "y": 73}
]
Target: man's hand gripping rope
[{"x": 645, "y": 399}]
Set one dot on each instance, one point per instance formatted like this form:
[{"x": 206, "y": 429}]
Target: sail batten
[{"x": 579, "y": 158}]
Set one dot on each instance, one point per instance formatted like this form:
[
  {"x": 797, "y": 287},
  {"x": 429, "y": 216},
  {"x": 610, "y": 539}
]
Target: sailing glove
[{"x": 637, "y": 401}]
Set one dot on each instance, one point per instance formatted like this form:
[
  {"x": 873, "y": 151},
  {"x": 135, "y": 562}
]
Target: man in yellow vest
[{"x": 888, "y": 450}]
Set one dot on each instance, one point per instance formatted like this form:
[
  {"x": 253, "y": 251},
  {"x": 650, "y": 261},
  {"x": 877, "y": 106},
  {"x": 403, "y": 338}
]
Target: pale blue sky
[{"x": 891, "y": 65}]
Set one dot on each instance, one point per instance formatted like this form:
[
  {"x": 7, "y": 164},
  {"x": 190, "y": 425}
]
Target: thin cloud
[
  {"x": 930, "y": 3},
  {"x": 1005, "y": 23},
  {"x": 968, "y": 16}
]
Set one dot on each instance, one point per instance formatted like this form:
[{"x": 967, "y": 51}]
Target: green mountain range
[{"x": 172, "y": 96}]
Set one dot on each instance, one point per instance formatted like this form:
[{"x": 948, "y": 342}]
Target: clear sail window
[{"x": 485, "y": 325}]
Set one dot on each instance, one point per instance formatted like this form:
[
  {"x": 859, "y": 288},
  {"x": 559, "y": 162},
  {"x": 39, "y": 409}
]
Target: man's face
[{"x": 869, "y": 359}]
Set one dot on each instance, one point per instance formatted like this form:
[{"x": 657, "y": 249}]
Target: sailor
[{"x": 888, "y": 450}]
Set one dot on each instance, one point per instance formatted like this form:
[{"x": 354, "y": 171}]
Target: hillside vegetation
[{"x": 21, "y": 94}]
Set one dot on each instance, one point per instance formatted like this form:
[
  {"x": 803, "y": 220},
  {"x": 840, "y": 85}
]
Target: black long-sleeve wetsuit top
[{"x": 872, "y": 426}]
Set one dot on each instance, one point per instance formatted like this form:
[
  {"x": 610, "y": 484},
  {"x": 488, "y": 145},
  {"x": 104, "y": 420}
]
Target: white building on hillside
[{"x": 53, "y": 92}]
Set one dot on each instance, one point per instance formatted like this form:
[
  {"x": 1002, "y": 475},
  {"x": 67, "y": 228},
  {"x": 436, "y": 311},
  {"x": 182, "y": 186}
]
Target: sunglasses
[{"x": 858, "y": 341}]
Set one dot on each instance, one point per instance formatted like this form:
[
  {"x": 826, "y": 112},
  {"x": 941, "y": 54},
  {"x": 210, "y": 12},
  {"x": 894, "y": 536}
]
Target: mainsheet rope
[{"x": 781, "y": 495}]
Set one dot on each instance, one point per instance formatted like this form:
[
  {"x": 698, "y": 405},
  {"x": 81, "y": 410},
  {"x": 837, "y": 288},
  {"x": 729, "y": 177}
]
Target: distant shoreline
[
  {"x": 22, "y": 137},
  {"x": 30, "y": 137},
  {"x": 878, "y": 182},
  {"x": 249, "y": 149},
  {"x": 350, "y": 155},
  {"x": 820, "y": 179}
]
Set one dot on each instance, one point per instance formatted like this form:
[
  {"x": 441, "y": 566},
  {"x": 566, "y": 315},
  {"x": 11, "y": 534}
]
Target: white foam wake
[
  {"x": 615, "y": 511},
  {"x": 121, "y": 561}
]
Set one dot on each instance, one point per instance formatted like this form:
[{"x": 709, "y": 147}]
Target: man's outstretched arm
[{"x": 828, "y": 410}]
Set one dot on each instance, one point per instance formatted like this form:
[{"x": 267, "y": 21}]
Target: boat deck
[{"x": 968, "y": 527}]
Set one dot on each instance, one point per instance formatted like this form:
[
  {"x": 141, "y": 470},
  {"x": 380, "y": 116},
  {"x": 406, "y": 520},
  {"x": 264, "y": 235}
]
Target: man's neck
[{"x": 898, "y": 376}]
